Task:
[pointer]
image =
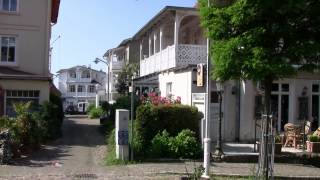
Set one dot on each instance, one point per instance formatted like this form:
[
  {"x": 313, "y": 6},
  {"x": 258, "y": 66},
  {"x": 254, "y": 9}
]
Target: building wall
[
  {"x": 181, "y": 85},
  {"x": 31, "y": 27},
  {"x": 42, "y": 86}
]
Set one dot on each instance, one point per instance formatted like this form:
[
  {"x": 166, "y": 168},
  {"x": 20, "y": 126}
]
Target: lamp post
[
  {"x": 218, "y": 150},
  {"x": 207, "y": 140},
  {"x": 132, "y": 90},
  {"x": 97, "y": 60}
]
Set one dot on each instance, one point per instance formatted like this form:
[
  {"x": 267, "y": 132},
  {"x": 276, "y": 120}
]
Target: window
[
  {"x": 8, "y": 49},
  {"x": 80, "y": 88},
  {"x": 72, "y": 88},
  {"x": 85, "y": 74},
  {"x": 21, "y": 96},
  {"x": 91, "y": 88},
  {"x": 9, "y": 5},
  {"x": 169, "y": 89},
  {"x": 72, "y": 74}
]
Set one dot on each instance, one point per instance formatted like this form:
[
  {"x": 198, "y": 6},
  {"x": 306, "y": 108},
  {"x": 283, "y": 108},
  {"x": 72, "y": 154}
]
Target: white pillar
[
  {"x": 149, "y": 46},
  {"x": 176, "y": 28},
  {"x": 154, "y": 43},
  {"x": 141, "y": 51},
  {"x": 122, "y": 134},
  {"x": 160, "y": 38}
]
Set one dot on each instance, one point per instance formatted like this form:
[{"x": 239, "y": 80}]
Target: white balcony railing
[
  {"x": 80, "y": 94},
  {"x": 173, "y": 57}
]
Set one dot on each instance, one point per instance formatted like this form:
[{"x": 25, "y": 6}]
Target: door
[{"x": 280, "y": 111}]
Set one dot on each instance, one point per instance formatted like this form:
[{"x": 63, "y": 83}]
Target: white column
[
  {"x": 141, "y": 51},
  {"x": 149, "y": 46},
  {"x": 176, "y": 28},
  {"x": 154, "y": 43},
  {"x": 160, "y": 38}
]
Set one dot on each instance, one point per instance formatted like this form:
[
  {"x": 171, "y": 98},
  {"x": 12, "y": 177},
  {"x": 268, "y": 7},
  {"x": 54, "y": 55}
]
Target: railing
[
  {"x": 80, "y": 94},
  {"x": 173, "y": 57}
]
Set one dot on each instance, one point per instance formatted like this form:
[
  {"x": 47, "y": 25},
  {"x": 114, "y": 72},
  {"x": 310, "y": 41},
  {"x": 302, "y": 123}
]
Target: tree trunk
[{"x": 267, "y": 108}]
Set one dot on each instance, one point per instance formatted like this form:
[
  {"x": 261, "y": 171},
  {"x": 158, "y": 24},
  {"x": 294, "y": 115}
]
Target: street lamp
[
  {"x": 132, "y": 90},
  {"x": 218, "y": 150},
  {"x": 97, "y": 60}
]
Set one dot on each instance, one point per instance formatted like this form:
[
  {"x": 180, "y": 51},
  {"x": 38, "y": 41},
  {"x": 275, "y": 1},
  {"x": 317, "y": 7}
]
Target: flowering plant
[{"x": 154, "y": 99}]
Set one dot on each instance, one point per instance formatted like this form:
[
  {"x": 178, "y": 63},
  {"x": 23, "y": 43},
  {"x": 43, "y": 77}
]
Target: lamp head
[{"x": 96, "y": 61}]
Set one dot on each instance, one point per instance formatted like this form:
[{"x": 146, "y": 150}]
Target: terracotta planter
[{"x": 313, "y": 147}]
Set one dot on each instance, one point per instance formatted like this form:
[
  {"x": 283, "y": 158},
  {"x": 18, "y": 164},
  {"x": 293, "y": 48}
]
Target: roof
[
  {"x": 161, "y": 13},
  {"x": 11, "y": 73},
  {"x": 83, "y": 67},
  {"x": 125, "y": 42},
  {"x": 55, "y": 5}
]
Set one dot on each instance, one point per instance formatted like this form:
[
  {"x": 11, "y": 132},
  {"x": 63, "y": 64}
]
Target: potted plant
[
  {"x": 313, "y": 144},
  {"x": 277, "y": 144}
]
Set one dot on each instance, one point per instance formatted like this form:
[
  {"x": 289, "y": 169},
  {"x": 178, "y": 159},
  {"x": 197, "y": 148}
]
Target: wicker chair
[{"x": 292, "y": 134}]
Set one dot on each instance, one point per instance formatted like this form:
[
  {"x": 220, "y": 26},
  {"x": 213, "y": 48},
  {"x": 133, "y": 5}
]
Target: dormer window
[
  {"x": 72, "y": 74},
  {"x": 85, "y": 74},
  {"x": 8, "y": 49},
  {"x": 9, "y": 5}
]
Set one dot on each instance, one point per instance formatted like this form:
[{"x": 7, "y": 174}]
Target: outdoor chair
[{"x": 292, "y": 134}]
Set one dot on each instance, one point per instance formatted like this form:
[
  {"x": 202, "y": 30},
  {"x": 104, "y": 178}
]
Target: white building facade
[
  {"x": 81, "y": 84},
  {"x": 172, "y": 44}
]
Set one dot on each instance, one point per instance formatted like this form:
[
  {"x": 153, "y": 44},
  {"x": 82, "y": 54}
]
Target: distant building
[
  {"x": 80, "y": 85},
  {"x": 25, "y": 32},
  {"x": 126, "y": 53}
]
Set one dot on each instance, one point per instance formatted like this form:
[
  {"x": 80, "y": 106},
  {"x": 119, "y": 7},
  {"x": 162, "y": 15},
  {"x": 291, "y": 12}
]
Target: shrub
[
  {"x": 51, "y": 114},
  {"x": 90, "y": 107},
  {"x": 314, "y": 138},
  {"x": 185, "y": 145},
  {"x": 95, "y": 113},
  {"x": 160, "y": 145},
  {"x": 123, "y": 102},
  {"x": 153, "y": 119}
]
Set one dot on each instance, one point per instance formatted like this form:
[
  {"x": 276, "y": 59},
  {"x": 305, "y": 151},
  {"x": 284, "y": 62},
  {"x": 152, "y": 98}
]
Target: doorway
[{"x": 280, "y": 105}]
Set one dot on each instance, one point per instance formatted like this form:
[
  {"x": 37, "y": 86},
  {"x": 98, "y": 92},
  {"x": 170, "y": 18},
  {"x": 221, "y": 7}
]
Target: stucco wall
[
  {"x": 42, "y": 86},
  {"x": 31, "y": 27},
  {"x": 181, "y": 85}
]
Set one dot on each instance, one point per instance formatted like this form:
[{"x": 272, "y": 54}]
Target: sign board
[
  {"x": 123, "y": 138},
  {"x": 200, "y": 75}
]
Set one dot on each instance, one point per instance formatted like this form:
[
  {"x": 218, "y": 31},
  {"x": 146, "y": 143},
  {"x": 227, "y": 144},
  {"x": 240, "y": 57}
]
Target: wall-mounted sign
[{"x": 200, "y": 75}]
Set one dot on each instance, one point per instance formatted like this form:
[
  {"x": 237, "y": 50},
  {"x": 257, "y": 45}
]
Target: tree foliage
[
  {"x": 124, "y": 78},
  {"x": 259, "y": 39}
]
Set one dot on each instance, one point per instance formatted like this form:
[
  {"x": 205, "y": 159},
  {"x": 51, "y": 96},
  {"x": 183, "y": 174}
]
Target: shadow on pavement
[{"x": 77, "y": 131}]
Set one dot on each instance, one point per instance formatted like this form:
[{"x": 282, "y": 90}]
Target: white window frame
[
  {"x": 7, "y": 63},
  {"x": 82, "y": 88},
  {"x": 91, "y": 88},
  {"x": 85, "y": 75},
  {"x": 169, "y": 89},
  {"x": 72, "y": 72},
  {"x": 9, "y": 12},
  {"x": 20, "y": 97},
  {"x": 74, "y": 88}
]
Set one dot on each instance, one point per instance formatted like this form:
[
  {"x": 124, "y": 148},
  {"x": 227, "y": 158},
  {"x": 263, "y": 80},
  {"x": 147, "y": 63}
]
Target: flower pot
[{"x": 313, "y": 147}]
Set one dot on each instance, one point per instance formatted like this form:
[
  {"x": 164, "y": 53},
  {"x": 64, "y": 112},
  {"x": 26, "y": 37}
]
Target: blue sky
[{"x": 89, "y": 28}]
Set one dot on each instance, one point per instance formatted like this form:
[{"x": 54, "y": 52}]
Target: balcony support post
[
  {"x": 149, "y": 45},
  {"x": 154, "y": 43},
  {"x": 160, "y": 38},
  {"x": 177, "y": 19}
]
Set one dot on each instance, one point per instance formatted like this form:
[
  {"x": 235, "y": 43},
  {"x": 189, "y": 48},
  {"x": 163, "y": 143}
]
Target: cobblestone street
[{"x": 79, "y": 155}]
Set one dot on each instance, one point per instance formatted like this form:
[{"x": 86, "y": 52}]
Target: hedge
[{"x": 150, "y": 120}]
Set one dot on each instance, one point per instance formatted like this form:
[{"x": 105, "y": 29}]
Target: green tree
[
  {"x": 262, "y": 40},
  {"x": 124, "y": 78}
]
